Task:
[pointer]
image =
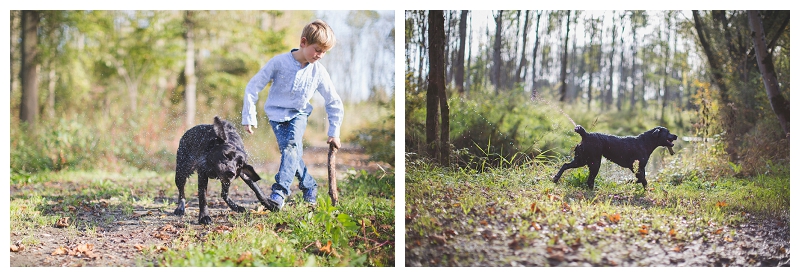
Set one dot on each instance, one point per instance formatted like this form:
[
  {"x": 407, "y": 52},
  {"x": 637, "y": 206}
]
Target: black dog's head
[
  {"x": 227, "y": 157},
  {"x": 664, "y": 138}
]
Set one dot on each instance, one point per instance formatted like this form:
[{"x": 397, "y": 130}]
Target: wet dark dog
[
  {"x": 624, "y": 151},
  {"x": 214, "y": 151}
]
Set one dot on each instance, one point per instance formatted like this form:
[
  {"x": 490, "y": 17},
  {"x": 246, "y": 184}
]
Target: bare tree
[
  {"x": 462, "y": 43},
  {"x": 191, "y": 79},
  {"x": 437, "y": 96},
  {"x": 497, "y": 61},
  {"x": 779, "y": 104},
  {"x": 523, "y": 61},
  {"x": 29, "y": 107},
  {"x": 563, "y": 88},
  {"x": 535, "y": 50}
]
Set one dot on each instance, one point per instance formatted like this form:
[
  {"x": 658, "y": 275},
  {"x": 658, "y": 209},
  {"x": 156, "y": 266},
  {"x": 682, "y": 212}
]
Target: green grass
[
  {"x": 524, "y": 204},
  {"x": 360, "y": 228}
]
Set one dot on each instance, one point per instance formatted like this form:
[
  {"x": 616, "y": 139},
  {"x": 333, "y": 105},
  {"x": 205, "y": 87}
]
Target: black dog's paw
[
  {"x": 238, "y": 209},
  {"x": 205, "y": 220},
  {"x": 180, "y": 211}
]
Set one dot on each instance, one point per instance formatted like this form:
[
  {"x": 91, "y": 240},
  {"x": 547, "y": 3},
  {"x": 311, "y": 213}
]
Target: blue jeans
[{"x": 290, "y": 141}]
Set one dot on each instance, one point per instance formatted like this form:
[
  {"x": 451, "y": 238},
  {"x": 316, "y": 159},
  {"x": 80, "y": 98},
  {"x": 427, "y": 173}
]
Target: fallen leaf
[
  {"x": 672, "y": 232},
  {"x": 515, "y": 244},
  {"x": 260, "y": 227},
  {"x": 484, "y": 223},
  {"x": 721, "y": 204},
  {"x": 490, "y": 210},
  {"x": 718, "y": 231},
  {"x": 565, "y": 207},
  {"x": 600, "y": 223},
  {"x": 326, "y": 249},
  {"x": 62, "y": 222},
  {"x": 535, "y": 208},
  {"x": 17, "y": 247},
  {"x": 162, "y": 248},
  {"x": 438, "y": 239},
  {"x": 643, "y": 230},
  {"x": 456, "y": 204},
  {"x": 223, "y": 229},
  {"x": 138, "y": 247},
  {"x": 614, "y": 218},
  {"x": 59, "y": 251},
  {"x": 244, "y": 257},
  {"x": 536, "y": 226},
  {"x": 728, "y": 239},
  {"x": 450, "y": 233}
]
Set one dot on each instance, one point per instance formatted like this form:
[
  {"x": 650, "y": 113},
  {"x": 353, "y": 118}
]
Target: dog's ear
[
  {"x": 219, "y": 128},
  {"x": 655, "y": 132},
  {"x": 248, "y": 173}
]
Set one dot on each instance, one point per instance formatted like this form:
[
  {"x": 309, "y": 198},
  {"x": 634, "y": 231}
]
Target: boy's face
[{"x": 311, "y": 52}]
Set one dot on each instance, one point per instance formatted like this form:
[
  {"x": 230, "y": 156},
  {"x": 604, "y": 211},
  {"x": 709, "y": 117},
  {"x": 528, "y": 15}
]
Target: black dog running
[{"x": 624, "y": 151}]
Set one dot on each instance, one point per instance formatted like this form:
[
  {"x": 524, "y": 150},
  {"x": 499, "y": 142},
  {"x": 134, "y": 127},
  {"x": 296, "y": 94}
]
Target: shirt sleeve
[
  {"x": 256, "y": 85},
  {"x": 333, "y": 104}
]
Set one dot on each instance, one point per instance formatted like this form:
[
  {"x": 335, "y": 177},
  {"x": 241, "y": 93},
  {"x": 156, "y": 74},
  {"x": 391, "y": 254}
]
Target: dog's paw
[
  {"x": 205, "y": 220},
  {"x": 238, "y": 209},
  {"x": 180, "y": 211}
]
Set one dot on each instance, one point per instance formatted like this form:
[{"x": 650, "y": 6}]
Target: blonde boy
[{"x": 295, "y": 77}]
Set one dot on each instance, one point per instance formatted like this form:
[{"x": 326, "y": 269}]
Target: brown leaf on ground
[
  {"x": 644, "y": 230},
  {"x": 565, "y": 207},
  {"x": 484, "y": 222},
  {"x": 17, "y": 247},
  {"x": 59, "y": 251},
  {"x": 614, "y": 218},
  {"x": 244, "y": 257},
  {"x": 222, "y": 229},
  {"x": 326, "y": 249},
  {"x": 62, "y": 222},
  {"x": 162, "y": 248},
  {"x": 718, "y": 231},
  {"x": 260, "y": 227},
  {"x": 516, "y": 244},
  {"x": 535, "y": 208},
  {"x": 722, "y": 204},
  {"x": 138, "y": 247},
  {"x": 672, "y": 232},
  {"x": 438, "y": 239},
  {"x": 536, "y": 226},
  {"x": 728, "y": 239}
]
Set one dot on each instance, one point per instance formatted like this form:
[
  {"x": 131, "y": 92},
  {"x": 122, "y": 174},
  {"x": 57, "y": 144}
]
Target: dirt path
[{"x": 100, "y": 235}]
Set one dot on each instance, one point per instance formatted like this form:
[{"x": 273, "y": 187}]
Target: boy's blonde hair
[{"x": 319, "y": 32}]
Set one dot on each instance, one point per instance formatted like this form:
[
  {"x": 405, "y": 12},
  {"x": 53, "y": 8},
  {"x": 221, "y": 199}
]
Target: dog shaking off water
[
  {"x": 624, "y": 151},
  {"x": 217, "y": 152}
]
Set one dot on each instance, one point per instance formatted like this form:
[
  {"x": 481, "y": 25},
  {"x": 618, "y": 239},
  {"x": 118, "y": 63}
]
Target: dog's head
[
  {"x": 664, "y": 138},
  {"x": 227, "y": 159}
]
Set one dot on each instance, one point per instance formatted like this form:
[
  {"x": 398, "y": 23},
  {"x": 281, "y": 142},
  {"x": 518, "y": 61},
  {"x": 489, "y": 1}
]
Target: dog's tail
[{"x": 579, "y": 129}]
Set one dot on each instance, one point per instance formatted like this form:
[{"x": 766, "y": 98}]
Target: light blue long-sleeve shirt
[{"x": 292, "y": 88}]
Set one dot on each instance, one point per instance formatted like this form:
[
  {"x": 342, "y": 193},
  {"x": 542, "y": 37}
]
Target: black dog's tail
[{"x": 579, "y": 129}]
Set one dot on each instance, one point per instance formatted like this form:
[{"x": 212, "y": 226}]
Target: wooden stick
[{"x": 333, "y": 191}]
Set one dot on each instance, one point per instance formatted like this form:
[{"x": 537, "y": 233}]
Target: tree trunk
[
  {"x": 779, "y": 104},
  {"x": 29, "y": 105},
  {"x": 496, "y": 59},
  {"x": 523, "y": 61},
  {"x": 633, "y": 66},
  {"x": 191, "y": 79},
  {"x": 462, "y": 43},
  {"x": 608, "y": 96},
  {"x": 437, "y": 97},
  {"x": 422, "y": 48},
  {"x": 563, "y": 88},
  {"x": 666, "y": 76},
  {"x": 535, "y": 50},
  {"x": 622, "y": 77}
]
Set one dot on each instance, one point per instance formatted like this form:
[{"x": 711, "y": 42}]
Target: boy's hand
[
  {"x": 335, "y": 142},
  {"x": 250, "y": 129}
]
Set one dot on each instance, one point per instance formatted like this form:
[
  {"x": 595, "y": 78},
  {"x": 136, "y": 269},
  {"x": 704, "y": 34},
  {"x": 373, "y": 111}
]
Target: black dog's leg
[
  {"x": 594, "y": 168},
  {"x": 231, "y": 204},
  {"x": 640, "y": 178},
  {"x": 180, "y": 182},
  {"x": 576, "y": 163},
  {"x": 257, "y": 191},
  {"x": 202, "y": 185}
]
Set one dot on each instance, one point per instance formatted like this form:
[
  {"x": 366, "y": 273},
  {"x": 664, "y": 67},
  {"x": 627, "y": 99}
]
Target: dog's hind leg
[
  {"x": 202, "y": 185},
  {"x": 594, "y": 168},
  {"x": 231, "y": 204},
  {"x": 640, "y": 176},
  {"x": 180, "y": 182}
]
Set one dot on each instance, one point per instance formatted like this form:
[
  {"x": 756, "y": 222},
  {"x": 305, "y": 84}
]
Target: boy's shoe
[
  {"x": 275, "y": 202},
  {"x": 310, "y": 196}
]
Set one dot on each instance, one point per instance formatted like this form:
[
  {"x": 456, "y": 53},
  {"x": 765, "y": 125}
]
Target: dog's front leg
[
  {"x": 257, "y": 191},
  {"x": 231, "y": 204},
  {"x": 640, "y": 176},
  {"x": 202, "y": 185}
]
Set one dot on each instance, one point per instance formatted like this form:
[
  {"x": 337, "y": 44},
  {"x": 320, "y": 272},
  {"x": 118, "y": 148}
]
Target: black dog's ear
[
  {"x": 658, "y": 129},
  {"x": 219, "y": 128},
  {"x": 248, "y": 173}
]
